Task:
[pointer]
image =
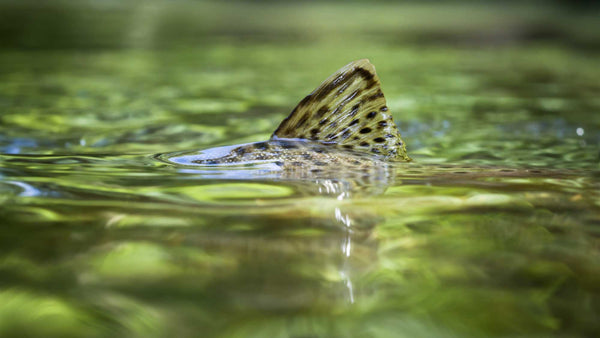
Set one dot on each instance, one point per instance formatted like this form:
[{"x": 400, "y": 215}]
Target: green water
[{"x": 493, "y": 231}]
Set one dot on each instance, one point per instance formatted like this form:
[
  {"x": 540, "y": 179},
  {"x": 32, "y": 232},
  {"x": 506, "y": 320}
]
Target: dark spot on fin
[
  {"x": 376, "y": 95},
  {"x": 261, "y": 146},
  {"x": 322, "y": 111},
  {"x": 288, "y": 145},
  {"x": 346, "y": 134},
  {"x": 304, "y": 101},
  {"x": 240, "y": 151},
  {"x": 302, "y": 121}
]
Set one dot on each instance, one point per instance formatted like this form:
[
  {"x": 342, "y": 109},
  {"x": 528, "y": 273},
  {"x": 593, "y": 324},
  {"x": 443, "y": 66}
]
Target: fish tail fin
[{"x": 349, "y": 110}]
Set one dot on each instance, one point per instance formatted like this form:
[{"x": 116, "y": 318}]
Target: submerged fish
[
  {"x": 343, "y": 124},
  {"x": 341, "y": 137}
]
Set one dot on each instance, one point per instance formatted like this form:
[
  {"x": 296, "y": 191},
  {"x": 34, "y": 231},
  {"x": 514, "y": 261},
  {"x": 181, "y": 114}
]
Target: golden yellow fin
[{"x": 347, "y": 109}]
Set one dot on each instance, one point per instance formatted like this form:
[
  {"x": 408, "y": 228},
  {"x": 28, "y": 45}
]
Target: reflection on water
[{"x": 130, "y": 244}]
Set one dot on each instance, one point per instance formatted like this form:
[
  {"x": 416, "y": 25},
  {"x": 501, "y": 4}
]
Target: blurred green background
[
  {"x": 90, "y": 24},
  {"x": 97, "y": 238}
]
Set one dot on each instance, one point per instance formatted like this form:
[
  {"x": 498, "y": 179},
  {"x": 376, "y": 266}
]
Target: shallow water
[{"x": 492, "y": 231}]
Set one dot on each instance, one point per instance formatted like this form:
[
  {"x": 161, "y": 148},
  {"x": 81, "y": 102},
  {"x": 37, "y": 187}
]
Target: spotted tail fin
[{"x": 347, "y": 109}]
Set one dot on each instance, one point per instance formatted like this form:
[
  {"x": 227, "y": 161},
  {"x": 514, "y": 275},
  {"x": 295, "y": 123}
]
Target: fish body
[
  {"x": 289, "y": 155},
  {"x": 341, "y": 137},
  {"x": 331, "y": 170},
  {"x": 344, "y": 125}
]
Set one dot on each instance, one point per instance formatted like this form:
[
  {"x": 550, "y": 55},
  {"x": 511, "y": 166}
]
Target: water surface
[{"x": 492, "y": 231}]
